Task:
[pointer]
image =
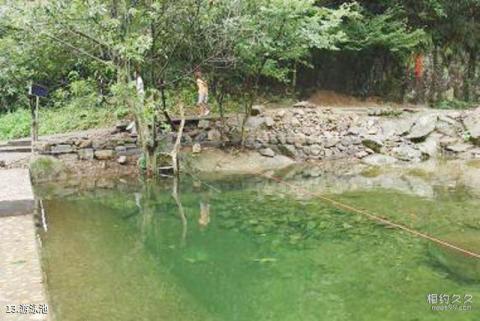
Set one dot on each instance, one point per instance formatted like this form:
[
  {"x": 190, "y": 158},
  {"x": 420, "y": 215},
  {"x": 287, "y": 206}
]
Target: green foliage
[
  {"x": 453, "y": 104},
  {"x": 15, "y": 124},
  {"x": 47, "y": 168},
  {"x": 388, "y": 30}
]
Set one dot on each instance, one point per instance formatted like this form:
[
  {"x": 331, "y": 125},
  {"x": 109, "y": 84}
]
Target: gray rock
[
  {"x": 446, "y": 128},
  {"x": 120, "y": 149},
  {"x": 459, "y": 148},
  {"x": 312, "y": 172},
  {"x": 121, "y": 126},
  {"x": 312, "y": 140},
  {"x": 423, "y": 126},
  {"x": 68, "y": 158},
  {"x": 86, "y": 154},
  {"x": 315, "y": 150},
  {"x": 105, "y": 154},
  {"x": 290, "y": 139},
  {"x": 373, "y": 142},
  {"x": 304, "y": 104},
  {"x": 298, "y": 112},
  {"x": 254, "y": 122},
  {"x": 280, "y": 114},
  {"x": 269, "y": 122},
  {"x": 331, "y": 141},
  {"x": 445, "y": 141},
  {"x": 61, "y": 149},
  {"x": 299, "y": 140},
  {"x": 257, "y": 110},
  {"x": 379, "y": 160},
  {"x": 430, "y": 146},
  {"x": 404, "y": 125},
  {"x": 214, "y": 135},
  {"x": 472, "y": 125},
  {"x": 204, "y": 124},
  {"x": 407, "y": 153},
  {"x": 196, "y": 148},
  {"x": 295, "y": 122},
  {"x": 287, "y": 150},
  {"x": 328, "y": 153},
  {"x": 84, "y": 143},
  {"x": 122, "y": 160},
  {"x": 99, "y": 144},
  {"x": 361, "y": 154},
  {"x": 307, "y": 150},
  {"x": 268, "y": 152}
]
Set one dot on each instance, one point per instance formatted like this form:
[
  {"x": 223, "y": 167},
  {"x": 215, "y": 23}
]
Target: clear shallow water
[{"x": 268, "y": 253}]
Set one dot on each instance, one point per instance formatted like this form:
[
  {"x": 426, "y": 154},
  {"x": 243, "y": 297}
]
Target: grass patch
[{"x": 58, "y": 120}]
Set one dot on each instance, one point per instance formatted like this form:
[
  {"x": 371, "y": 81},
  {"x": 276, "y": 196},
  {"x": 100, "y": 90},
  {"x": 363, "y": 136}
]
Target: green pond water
[{"x": 268, "y": 252}]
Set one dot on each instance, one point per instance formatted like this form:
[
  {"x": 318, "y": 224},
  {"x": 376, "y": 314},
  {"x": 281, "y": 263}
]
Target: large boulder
[
  {"x": 430, "y": 146},
  {"x": 373, "y": 142},
  {"x": 423, "y": 126},
  {"x": 254, "y": 122},
  {"x": 390, "y": 128},
  {"x": 472, "y": 125}
]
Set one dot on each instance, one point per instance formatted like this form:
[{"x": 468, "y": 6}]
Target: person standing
[{"x": 202, "y": 93}]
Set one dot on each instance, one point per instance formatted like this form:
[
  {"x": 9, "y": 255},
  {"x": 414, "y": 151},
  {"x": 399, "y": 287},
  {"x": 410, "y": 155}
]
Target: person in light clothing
[{"x": 202, "y": 93}]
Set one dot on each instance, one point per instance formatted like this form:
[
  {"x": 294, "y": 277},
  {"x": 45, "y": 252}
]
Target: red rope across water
[{"x": 376, "y": 218}]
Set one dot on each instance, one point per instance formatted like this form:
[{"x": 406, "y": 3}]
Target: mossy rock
[
  {"x": 47, "y": 168},
  {"x": 458, "y": 264}
]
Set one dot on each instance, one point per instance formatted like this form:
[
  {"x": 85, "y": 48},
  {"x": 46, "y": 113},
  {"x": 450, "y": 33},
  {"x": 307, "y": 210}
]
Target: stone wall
[
  {"x": 303, "y": 132},
  {"x": 115, "y": 144},
  {"x": 306, "y": 132}
]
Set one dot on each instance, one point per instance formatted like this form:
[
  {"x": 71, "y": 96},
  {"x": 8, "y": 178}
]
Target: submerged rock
[
  {"x": 378, "y": 160},
  {"x": 268, "y": 152}
]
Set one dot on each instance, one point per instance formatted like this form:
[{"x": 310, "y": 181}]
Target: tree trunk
[{"x": 176, "y": 147}]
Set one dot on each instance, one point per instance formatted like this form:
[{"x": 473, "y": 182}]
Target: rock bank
[{"x": 307, "y": 132}]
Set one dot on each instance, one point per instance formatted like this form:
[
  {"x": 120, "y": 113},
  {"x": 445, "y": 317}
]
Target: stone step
[
  {"x": 20, "y": 142},
  {"x": 15, "y": 149}
]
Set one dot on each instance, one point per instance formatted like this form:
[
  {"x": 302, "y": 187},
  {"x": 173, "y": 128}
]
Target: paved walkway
[
  {"x": 15, "y": 160},
  {"x": 22, "y": 291}
]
